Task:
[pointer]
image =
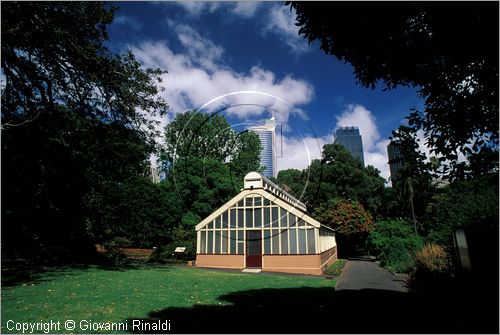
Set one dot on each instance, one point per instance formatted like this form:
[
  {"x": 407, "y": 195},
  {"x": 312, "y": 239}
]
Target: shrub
[
  {"x": 433, "y": 259},
  {"x": 396, "y": 257},
  {"x": 395, "y": 243},
  {"x": 432, "y": 268},
  {"x": 181, "y": 237},
  {"x": 121, "y": 242},
  {"x": 165, "y": 254}
]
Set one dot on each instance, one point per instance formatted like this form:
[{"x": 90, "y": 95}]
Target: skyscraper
[
  {"x": 395, "y": 160},
  {"x": 267, "y": 138},
  {"x": 350, "y": 138}
]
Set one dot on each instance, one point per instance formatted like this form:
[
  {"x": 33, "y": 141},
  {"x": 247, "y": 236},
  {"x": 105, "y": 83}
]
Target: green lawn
[{"x": 114, "y": 296}]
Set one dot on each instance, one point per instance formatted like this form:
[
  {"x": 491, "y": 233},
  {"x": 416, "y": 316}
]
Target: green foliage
[
  {"x": 245, "y": 156},
  {"x": 198, "y": 148},
  {"x": 347, "y": 218},
  {"x": 196, "y": 134},
  {"x": 337, "y": 174},
  {"x": 138, "y": 210},
  {"x": 468, "y": 203},
  {"x": 292, "y": 181},
  {"x": 53, "y": 54},
  {"x": 190, "y": 219},
  {"x": 181, "y": 237},
  {"x": 413, "y": 182},
  {"x": 201, "y": 185},
  {"x": 336, "y": 268},
  {"x": 395, "y": 243},
  {"x": 437, "y": 48},
  {"x": 71, "y": 133}
]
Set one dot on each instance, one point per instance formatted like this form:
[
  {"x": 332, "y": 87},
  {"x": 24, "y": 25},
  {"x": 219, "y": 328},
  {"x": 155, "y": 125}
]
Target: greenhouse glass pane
[
  {"x": 274, "y": 217},
  {"x": 232, "y": 218},
  {"x": 257, "y": 213},
  {"x": 267, "y": 241},
  {"x": 217, "y": 242},
  {"x": 284, "y": 241},
  {"x": 311, "y": 245},
  {"x": 203, "y": 242},
  {"x": 232, "y": 242},
  {"x": 302, "y": 241},
  {"x": 225, "y": 241},
  {"x": 292, "y": 234},
  {"x": 276, "y": 240},
  {"x": 210, "y": 243},
  {"x": 241, "y": 242},
  {"x": 283, "y": 218},
  {"x": 225, "y": 221},
  {"x": 249, "y": 218},
  {"x": 240, "y": 218},
  {"x": 267, "y": 217}
]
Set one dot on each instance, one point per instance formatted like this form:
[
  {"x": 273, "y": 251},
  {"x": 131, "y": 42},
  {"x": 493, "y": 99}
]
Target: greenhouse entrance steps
[{"x": 252, "y": 270}]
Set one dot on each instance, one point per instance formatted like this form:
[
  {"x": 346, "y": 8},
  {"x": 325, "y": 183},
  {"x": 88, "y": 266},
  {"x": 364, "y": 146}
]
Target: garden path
[{"x": 362, "y": 274}]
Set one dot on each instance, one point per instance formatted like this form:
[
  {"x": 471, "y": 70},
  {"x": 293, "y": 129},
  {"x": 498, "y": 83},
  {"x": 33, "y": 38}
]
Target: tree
[
  {"x": 413, "y": 181},
  {"x": 71, "y": 129},
  {"x": 53, "y": 54},
  {"x": 338, "y": 174},
  {"x": 471, "y": 205},
  {"x": 464, "y": 204},
  {"x": 140, "y": 211},
  {"x": 246, "y": 155},
  {"x": 349, "y": 219},
  {"x": 438, "y": 48},
  {"x": 208, "y": 160},
  {"x": 196, "y": 134},
  {"x": 292, "y": 181}
]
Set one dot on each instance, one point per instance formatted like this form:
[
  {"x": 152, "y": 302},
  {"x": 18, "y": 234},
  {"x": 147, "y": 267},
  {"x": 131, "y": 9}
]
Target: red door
[{"x": 254, "y": 248}]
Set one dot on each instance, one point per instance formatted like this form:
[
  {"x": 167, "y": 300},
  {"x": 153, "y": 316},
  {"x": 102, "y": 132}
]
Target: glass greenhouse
[{"x": 264, "y": 227}]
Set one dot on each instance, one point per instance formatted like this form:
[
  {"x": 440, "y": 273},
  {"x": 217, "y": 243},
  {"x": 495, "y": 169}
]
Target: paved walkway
[{"x": 366, "y": 274}]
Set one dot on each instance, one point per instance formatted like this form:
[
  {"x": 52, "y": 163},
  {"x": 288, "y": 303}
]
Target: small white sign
[{"x": 179, "y": 249}]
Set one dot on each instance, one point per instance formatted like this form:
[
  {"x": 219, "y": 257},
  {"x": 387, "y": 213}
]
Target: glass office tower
[
  {"x": 350, "y": 138},
  {"x": 267, "y": 138}
]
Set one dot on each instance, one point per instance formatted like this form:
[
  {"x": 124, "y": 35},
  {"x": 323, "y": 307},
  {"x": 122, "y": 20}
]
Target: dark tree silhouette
[
  {"x": 71, "y": 130},
  {"x": 448, "y": 51}
]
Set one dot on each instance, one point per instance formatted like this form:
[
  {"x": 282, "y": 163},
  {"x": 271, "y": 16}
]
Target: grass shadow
[
  {"x": 325, "y": 310},
  {"x": 30, "y": 274}
]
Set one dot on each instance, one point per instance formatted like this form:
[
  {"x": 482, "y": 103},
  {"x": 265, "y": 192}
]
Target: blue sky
[{"x": 212, "y": 49}]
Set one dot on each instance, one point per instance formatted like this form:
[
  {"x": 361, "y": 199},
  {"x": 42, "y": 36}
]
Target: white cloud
[
  {"x": 128, "y": 21},
  {"x": 201, "y": 50},
  {"x": 281, "y": 21},
  {"x": 374, "y": 147},
  {"x": 245, "y": 9},
  {"x": 197, "y": 7},
  {"x": 298, "y": 153},
  {"x": 242, "y": 9},
  {"x": 197, "y": 74}
]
